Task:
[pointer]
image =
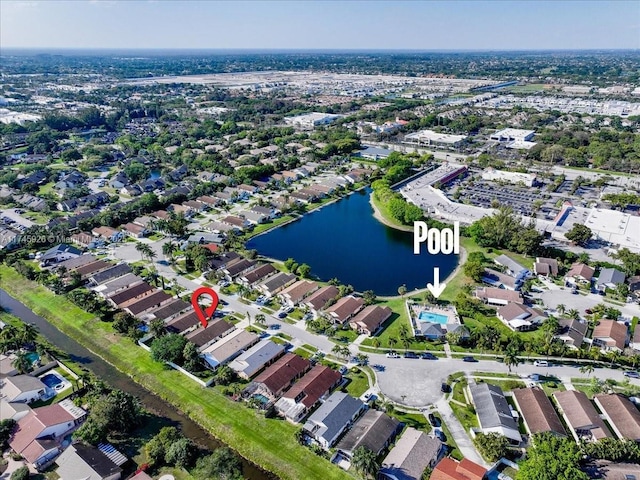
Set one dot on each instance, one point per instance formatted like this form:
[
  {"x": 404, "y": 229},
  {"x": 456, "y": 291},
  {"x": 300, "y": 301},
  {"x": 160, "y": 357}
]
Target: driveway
[{"x": 13, "y": 215}]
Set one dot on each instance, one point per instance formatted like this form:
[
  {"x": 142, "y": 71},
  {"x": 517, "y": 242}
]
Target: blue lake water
[{"x": 345, "y": 241}]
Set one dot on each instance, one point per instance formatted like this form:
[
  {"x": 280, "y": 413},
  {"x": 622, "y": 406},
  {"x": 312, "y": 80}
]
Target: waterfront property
[{"x": 433, "y": 322}]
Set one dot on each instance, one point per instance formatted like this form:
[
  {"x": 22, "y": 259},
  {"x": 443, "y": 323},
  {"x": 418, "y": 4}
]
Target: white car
[
  {"x": 541, "y": 363},
  {"x": 393, "y": 355}
]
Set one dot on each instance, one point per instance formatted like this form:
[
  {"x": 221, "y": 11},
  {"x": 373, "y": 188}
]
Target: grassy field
[
  {"x": 270, "y": 443},
  {"x": 359, "y": 383}
]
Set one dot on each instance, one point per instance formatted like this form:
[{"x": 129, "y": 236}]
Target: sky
[{"x": 348, "y": 24}]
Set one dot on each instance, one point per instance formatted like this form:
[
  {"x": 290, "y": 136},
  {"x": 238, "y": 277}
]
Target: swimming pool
[
  {"x": 433, "y": 318},
  {"x": 53, "y": 381},
  {"x": 261, "y": 398},
  {"x": 33, "y": 357}
]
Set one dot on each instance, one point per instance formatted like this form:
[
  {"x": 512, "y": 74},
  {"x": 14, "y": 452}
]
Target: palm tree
[
  {"x": 614, "y": 355},
  {"x": 574, "y": 314},
  {"x": 375, "y": 342},
  {"x": 142, "y": 248},
  {"x": 28, "y": 333},
  {"x": 21, "y": 363},
  {"x": 337, "y": 350},
  {"x": 402, "y": 290},
  {"x": 587, "y": 369},
  {"x": 511, "y": 358},
  {"x": 392, "y": 341},
  {"x": 365, "y": 462},
  {"x": 561, "y": 308},
  {"x": 300, "y": 436},
  {"x": 260, "y": 319},
  {"x": 169, "y": 249}
]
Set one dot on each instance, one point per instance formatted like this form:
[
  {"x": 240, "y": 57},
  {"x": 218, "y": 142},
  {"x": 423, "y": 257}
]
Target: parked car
[
  {"x": 428, "y": 356},
  {"x": 632, "y": 374},
  {"x": 445, "y": 388},
  {"x": 541, "y": 363},
  {"x": 440, "y": 435},
  {"x": 433, "y": 420},
  {"x": 288, "y": 309},
  {"x": 282, "y": 314},
  {"x": 393, "y": 355},
  {"x": 367, "y": 396},
  {"x": 274, "y": 326},
  {"x": 410, "y": 355},
  {"x": 343, "y": 370},
  {"x": 469, "y": 358}
]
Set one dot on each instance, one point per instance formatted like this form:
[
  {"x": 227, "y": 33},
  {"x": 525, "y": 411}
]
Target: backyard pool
[
  {"x": 433, "y": 318},
  {"x": 33, "y": 357},
  {"x": 54, "y": 381},
  {"x": 261, "y": 398}
]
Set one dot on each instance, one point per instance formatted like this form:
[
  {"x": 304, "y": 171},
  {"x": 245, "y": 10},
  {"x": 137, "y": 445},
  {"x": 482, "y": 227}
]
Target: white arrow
[{"x": 437, "y": 288}]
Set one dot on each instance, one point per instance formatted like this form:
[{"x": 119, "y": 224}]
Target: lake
[{"x": 344, "y": 240}]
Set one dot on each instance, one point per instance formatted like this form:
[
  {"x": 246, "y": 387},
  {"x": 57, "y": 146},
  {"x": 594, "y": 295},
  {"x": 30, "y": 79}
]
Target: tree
[
  {"x": 222, "y": 464},
  {"x": 587, "y": 369},
  {"x": 224, "y": 375},
  {"x": 181, "y": 453},
  {"x": 579, "y": 234},
  {"x": 191, "y": 357},
  {"x": 28, "y": 333},
  {"x": 369, "y": 297},
  {"x": 300, "y": 436},
  {"x": 511, "y": 358},
  {"x": 156, "y": 327},
  {"x": 304, "y": 270},
  {"x": 474, "y": 270},
  {"x": 21, "y": 363},
  {"x": 169, "y": 250},
  {"x": 291, "y": 265},
  {"x": 123, "y": 322},
  {"x": 260, "y": 319},
  {"x": 168, "y": 348},
  {"x": 21, "y": 473},
  {"x": 402, "y": 290},
  {"x": 365, "y": 462},
  {"x": 392, "y": 341},
  {"x": 157, "y": 447},
  {"x": 6, "y": 429},
  {"x": 552, "y": 458},
  {"x": 561, "y": 308},
  {"x": 492, "y": 446},
  {"x": 574, "y": 314},
  {"x": 114, "y": 413}
]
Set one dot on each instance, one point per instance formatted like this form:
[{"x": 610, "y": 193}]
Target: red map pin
[{"x": 208, "y": 312}]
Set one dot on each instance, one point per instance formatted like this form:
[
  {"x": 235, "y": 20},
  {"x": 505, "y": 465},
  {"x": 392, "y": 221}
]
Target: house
[
  {"x": 183, "y": 323},
  {"x": 519, "y": 317},
  {"x": 209, "y": 201},
  {"x": 547, "y": 267},
  {"x": 119, "y": 181},
  {"x": 58, "y": 254},
  {"x": 571, "y": 332},
  {"x": 136, "y": 291},
  {"x": 450, "y": 469},
  {"x": 332, "y": 418},
  {"x": 256, "y": 358},
  {"x": 76, "y": 262},
  {"x": 134, "y": 231},
  {"x": 344, "y": 309},
  {"x": 109, "y": 273},
  {"x": 609, "y": 278},
  {"x": 412, "y": 454},
  {"x": 137, "y": 306},
  {"x": 9, "y": 239},
  {"x": 611, "y": 335},
  {"x": 229, "y": 347},
  {"x": 236, "y": 222},
  {"x": 278, "y": 376},
  {"x": 493, "y": 411},
  {"x": 269, "y": 212},
  {"x": 107, "y": 233},
  {"x": 14, "y": 411},
  {"x": 254, "y": 217},
  {"x": 498, "y": 296},
  {"x": 220, "y": 262},
  {"x": 374, "y": 430},
  {"x": 581, "y": 417},
  {"x": 512, "y": 267},
  {"x": 306, "y": 392},
  {"x": 538, "y": 413},
  {"x": 85, "y": 271},
  {"x": 85, "y": 462},
  {"x": 22, "y": 389},
  {"x": 430, "y": 331},
  {"x": 238, "y": 266},
  {"x": 195, "y": 206},
  {"x": 248, "y": 189},
  {"x": 145, "y": 221},
  {"x": 127, "y": 280},
  {"x": 257, "y": 274},
  {"x": 500, "y": 280},
  {"x": 131, "y": 190},
  {"x": 215, "y": 330},
  {"x": 607, "y": 470},
  {"x": 276, "y": 283},
  {"x": 168, "y": 310},
  {"x": 296, "y": 292},
  {"x": 318, "y": 300},
  {"x": 621, "y": 414},
  {"x": 204, "y": 237},
  {"x": 579, "y": 273},
  {"x": 370, "y": 319},
  {"x": 39, "y": 434}
]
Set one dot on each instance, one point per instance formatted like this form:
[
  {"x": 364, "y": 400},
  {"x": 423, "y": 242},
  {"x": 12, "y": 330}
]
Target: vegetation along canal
[{"x": 111, "y": 375}]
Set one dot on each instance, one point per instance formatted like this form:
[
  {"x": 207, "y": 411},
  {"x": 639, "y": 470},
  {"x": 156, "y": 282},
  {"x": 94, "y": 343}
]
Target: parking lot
[{"x": 483, "y": 194}]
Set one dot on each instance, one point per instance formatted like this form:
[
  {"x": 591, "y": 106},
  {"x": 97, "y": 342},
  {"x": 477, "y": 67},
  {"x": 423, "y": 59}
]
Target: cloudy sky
[{"x": 350, "y": 24}]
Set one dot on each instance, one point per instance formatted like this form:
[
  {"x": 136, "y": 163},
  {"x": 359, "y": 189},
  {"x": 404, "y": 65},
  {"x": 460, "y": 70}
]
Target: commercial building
[
  {"x": 431, "y": 138},
  {"x": 528, "y": 179},
  {"x": 309, "y": 121}
]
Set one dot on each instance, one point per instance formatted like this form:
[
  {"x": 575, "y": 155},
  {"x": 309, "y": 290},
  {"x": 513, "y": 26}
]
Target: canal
[
  {"x": 117, "y": 379},
  {"x": 344, "y": 240}
]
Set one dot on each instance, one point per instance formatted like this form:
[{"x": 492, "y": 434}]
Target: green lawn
[
  {"x": 415, "y": 420},
  {"x": 358, "y": 384},
  {"x": 270, "y": 443}
]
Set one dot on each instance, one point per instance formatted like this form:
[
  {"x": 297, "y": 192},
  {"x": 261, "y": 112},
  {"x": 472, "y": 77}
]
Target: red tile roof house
[
  {"x": 610, "y": 335},
  {"x": 309, "y": 390},
  {"x": 39, "y": 434},
  {"x": 579, "y": 273},
  {"x": 344, "y": 309},
  {"x": 317, "y": 300},
  {"x": 450, "y": 469},
  {"x": 278, "y": 377},
  {"x": 295, "y": 293},
  {"x": 370, "y": 319}
]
